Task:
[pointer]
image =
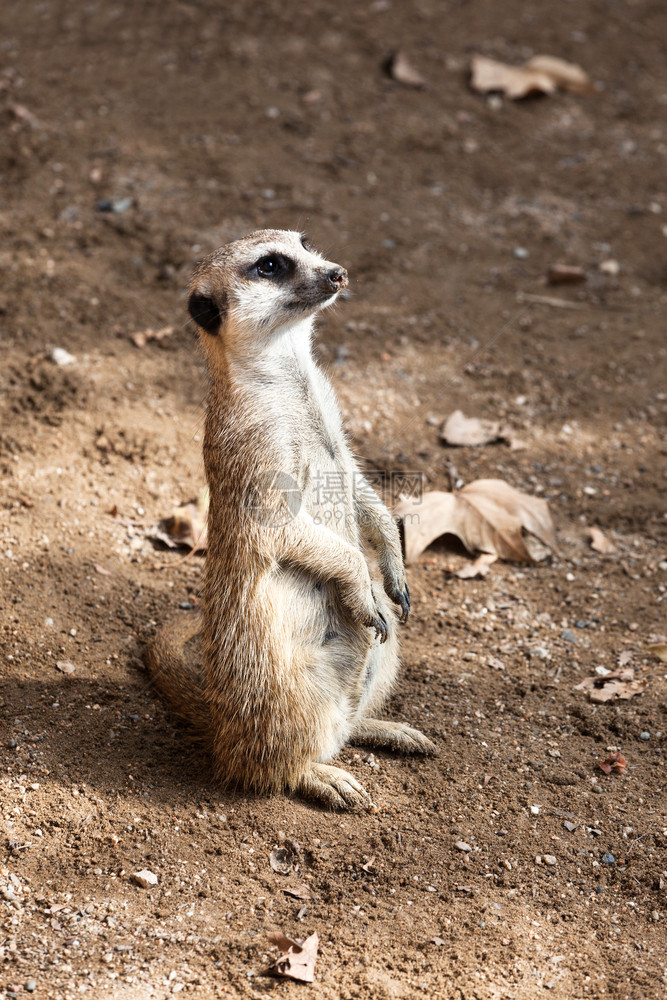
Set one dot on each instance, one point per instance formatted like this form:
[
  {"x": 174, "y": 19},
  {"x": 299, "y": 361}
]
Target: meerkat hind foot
[
  {"x": 333, "y": 787},
  {"x": 394, "y": 735}
]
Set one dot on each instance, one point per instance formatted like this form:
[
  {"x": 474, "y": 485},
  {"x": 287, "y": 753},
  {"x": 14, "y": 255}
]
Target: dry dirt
[{"x": 448, "y": 208}]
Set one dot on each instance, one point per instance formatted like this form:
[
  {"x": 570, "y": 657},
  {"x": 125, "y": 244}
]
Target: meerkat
[{"x": 296, "y": 645}]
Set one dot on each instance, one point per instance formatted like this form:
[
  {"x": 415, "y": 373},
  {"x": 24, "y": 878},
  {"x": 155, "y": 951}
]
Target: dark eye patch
[
  {"x": 272, "y": 267},
  {"x": 305, "y": 242}
]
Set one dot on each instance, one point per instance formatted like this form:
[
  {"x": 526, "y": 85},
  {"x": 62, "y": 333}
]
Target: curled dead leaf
[
  {"x": 599, "y": 541},
  {"x": 540, "y": 75},
  {"x": 401, "y": 70},
  {"x": 297, "y": 960},
  {"x": 615, "y": 763},
  {"x": 487, "y": 515},
  {"x": 621, "y": 685}
]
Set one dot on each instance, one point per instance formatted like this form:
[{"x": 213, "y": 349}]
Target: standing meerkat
[{"x": 296, "y": 645}]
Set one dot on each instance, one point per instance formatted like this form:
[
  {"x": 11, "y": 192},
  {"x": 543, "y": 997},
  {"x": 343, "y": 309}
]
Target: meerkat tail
[{"x": 174, "y": 662}]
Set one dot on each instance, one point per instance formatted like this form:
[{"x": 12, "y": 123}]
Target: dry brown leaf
[
  {"x": 599, "y": 541},
  {"x": 615, "y": 762},
  {"x": 659, "y": 649},
  {"x": 401, "y": 70},
  {"x": 480, "y": 567},
  {"x": 297, "y": 960},
  {"x": 186, "y": 525},
  {"x": 540, "y": 75},
  {"x": 142, "y": 337},
  {"x": 565, "y": 274},
  {"x": 462, "y": 431},
  {"x": 487, "y": 515},
  {"x": 621, "y": 685}
]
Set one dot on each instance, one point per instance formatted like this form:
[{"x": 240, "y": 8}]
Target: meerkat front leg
[
  {"x": 394, "y": 735},
  {"x": 379, "y": 527},
  {"x": 321, "y": 552},
  {"x": 333, "y": 787}
]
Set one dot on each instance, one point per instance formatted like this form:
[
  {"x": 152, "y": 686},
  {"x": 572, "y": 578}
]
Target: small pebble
[
  {"x": 644, "y": 736},
  {"x": 571, "y": 827},
  {"x": 602, "y": 671},
  {"x": 186, "y": 606},
  {"x": 567, "y": 635},
  {"x": 608, "y": 859},
  {"x": 61, "y": 357},
  {"x": 535, "y": 810},
  {"x": 145, "y": 878},
  {"x": 520, "y": 253},
  {"x": 462, "y": 846},
  {"x": 549, "y": 859},
  {"x": 30, "y": 986}
]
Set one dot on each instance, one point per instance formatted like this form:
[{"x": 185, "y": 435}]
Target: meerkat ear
[{"x": 206, "y": 312}]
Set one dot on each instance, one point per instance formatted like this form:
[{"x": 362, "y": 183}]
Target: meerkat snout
[{"x": 338, "y": 279}]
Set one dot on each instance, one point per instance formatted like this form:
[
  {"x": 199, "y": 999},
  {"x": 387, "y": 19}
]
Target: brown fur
[{"x": 298, "y": 645}]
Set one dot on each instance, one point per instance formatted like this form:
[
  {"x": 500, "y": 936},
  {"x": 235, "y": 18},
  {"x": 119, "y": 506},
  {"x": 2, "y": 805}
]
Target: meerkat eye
[
  {"x": 269, "y": 267},
  {"x": 304, "y": 243}
]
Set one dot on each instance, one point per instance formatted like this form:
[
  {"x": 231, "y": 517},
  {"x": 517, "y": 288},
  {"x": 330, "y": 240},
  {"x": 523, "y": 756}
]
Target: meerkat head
[{"x": 250, "y": 289}]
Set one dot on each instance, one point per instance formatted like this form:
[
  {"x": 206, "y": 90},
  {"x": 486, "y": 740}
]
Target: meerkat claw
[{"x": 380, "y": 626}]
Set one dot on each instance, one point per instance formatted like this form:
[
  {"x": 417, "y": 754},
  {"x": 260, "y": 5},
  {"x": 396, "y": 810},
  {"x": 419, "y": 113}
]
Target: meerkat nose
[{"x": 337, "y": 278}]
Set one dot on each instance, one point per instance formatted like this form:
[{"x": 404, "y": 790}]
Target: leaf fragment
[
  {"x": 298, "y": 891},
  {"x": 615, "y": 763},
  {"x": 281, "y": 860},
  {"x": 566, "y": 274},
  {"x": 620, "y": 685},
  {"x": 599, "y": 541},
  {"x": 540, "y": 75},
  {"x": 297, "y": 960},
  {"x": 401, "y": 70},
  {"x": 479, "y": 568},
  {"x": 186, "y": 525},
  {"x": 487, "y": 515},
  {"x": 141, "y": 337},
  {"x": 462, "y": 431},
  {"x": 658, "y": 649}
]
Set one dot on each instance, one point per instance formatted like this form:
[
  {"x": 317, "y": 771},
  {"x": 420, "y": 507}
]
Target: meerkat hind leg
[
  {"x": 394, "y": 735},
  {"x": 333, "y": 787}
]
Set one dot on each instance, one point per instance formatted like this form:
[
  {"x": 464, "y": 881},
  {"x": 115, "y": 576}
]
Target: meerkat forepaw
[
  {"x": 394, "y": 735},
  {"x": 379, "y": 623},
  {"x": 333, "y": 787},
  {"x": 402, "y": 598}
]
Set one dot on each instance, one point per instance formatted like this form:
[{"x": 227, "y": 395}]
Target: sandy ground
[{"x": 198, "y": 123}]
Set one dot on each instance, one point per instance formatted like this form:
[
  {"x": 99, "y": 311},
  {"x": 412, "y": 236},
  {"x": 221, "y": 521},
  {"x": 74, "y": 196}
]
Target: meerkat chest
[{"x": 327, "y": 467}]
